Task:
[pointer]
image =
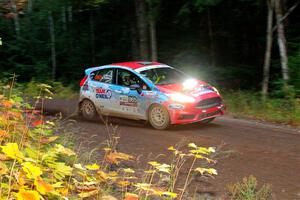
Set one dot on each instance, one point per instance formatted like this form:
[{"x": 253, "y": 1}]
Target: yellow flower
[{"x": 28, "y": 195}]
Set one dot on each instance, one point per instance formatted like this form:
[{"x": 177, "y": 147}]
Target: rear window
[{"x": 103, "y": 76}]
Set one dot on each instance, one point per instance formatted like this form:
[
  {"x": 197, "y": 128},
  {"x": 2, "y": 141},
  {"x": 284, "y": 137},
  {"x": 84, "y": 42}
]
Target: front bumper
[{"x": 191, "y": 114}]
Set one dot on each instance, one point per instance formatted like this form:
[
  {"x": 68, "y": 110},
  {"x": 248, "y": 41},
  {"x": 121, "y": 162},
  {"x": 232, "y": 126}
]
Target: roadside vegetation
[
  {"x": 250, "y": 105},
  {"x": 38, "y": 162},
  {"x": 248, "y": 190},
  {"x": 32, "y": 88}
]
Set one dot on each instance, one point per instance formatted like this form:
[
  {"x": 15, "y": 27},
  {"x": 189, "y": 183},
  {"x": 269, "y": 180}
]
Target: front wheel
[
  {"x": 88, "y": 109},
  {"x": 159, "y": 117}
]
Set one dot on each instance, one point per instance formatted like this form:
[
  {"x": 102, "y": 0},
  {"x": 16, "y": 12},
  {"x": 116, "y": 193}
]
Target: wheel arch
[
  {"x": 80, "y": 102},
  {"x": 153, "y": 104}
]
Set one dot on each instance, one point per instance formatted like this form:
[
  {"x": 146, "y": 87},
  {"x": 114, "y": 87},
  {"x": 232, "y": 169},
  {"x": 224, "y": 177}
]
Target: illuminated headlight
[
  {"x": 181, "y": 98},
  {"x": 215, "y": 89},
  {"x": 189, "y": 84}
]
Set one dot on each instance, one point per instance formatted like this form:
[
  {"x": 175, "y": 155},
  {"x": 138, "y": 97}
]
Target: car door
[
  {"x": 130, "y": 103},
  {"x": 101, "y": 81}
]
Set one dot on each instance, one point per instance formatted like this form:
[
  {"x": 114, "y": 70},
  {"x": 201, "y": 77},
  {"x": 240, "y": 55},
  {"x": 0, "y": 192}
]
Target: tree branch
[{"x": 287, "y": 14}]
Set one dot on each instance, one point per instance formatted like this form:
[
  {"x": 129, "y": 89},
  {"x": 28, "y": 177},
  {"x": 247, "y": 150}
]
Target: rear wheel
[
  {"x": 88, "y": 109},
  {"x": 206, "y": 121},
  {"x": 159, "y": 117}
]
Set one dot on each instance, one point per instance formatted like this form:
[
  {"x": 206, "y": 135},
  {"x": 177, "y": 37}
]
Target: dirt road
[{"x": 270, "y": 153}]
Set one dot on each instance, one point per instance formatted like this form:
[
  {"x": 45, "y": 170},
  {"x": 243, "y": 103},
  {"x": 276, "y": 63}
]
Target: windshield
[{"x": 164, "y": 76}]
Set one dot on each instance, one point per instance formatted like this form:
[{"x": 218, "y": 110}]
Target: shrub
[{"x": 248, "y": 190}]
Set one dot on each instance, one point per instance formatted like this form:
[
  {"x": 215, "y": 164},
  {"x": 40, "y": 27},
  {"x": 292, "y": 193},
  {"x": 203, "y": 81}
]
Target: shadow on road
[{"x": 144, "y": 125}]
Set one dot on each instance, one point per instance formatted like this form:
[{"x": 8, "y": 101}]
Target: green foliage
[
  {"x": 95, "y": 3},
  {"x": 248, "y": 190},
  {"x": 294, "y": 63},
  {"x": 249, "y": 104},
  {"x": 198, "y": 5},
  {"x": 33, "y": 88},
  {"x": 154, "y": 8},
  {"x": 58, "y": 89}
]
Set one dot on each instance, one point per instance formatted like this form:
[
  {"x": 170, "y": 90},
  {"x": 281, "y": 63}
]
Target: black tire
[
  {"x": 158, "y": 117},
  {"x": 206, "y": 121},
  {"x": 88, "y": 110}
]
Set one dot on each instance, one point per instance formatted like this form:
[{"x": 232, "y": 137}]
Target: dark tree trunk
[
  {"x": 92, "y": 35},
  {"x": 282, "y": 42},
  {"x": 211, "y": 39},
  {"x": 52, "y": 42},
  {"x": 142, "y": 24},
  {"x": 70, "y": 13},
  {"x": 268, "y": 51},
  {"x": 152, "y": 25},
  {"x": 16, "y": 17},
  {"x": 64, "y": 18},
  {"x": 134, "y": 41},
  {"x": 30, "y": 6}
]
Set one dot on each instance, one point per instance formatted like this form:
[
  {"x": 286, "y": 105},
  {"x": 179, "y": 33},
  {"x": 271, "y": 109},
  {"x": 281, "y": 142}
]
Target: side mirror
[{"x": 136, "y": 87}]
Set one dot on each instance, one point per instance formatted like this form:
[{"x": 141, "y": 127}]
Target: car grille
[
  {"x": 209, "y": 114},
  {"x": 208, "y": 103},
  {"x": 183, "y": 117}
]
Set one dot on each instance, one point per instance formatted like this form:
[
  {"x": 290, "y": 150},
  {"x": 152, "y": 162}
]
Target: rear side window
[{"x": 103, "y": 76}]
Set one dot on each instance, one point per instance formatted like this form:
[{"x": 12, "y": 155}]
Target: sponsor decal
[
  {"x": 128, "y": 101},
  {"x": 150, "y": 94},
  {"x": 200, "y": 91},
  {"x": 103, "y": 93}
]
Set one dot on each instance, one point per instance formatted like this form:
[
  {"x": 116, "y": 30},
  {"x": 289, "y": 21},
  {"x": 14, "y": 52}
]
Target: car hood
[{"x": 202, "y": 88}]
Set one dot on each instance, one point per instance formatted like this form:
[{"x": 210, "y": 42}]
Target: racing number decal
[
  {"x": 128, "y": 101},
  {"x": 103, "y": 93}
]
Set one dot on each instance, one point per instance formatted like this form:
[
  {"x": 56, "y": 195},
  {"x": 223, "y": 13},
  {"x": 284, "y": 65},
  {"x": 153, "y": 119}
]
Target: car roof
[{"x": 136, "y": 64}]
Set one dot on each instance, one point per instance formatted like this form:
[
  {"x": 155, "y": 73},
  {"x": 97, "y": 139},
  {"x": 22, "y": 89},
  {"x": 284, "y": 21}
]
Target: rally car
[{"x": 151, "y": 91}]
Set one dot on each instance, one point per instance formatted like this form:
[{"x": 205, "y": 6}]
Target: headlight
[
  {"x": 181, "y": 98},
  {"x": 189, "y": 84}
]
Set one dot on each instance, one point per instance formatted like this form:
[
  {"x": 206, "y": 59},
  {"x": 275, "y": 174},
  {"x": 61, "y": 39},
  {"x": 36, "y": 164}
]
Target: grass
[{"x": 250, "y": 105}]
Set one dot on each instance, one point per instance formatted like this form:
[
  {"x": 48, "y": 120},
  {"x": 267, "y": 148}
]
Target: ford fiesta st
[{"x": 151, "y": 91}]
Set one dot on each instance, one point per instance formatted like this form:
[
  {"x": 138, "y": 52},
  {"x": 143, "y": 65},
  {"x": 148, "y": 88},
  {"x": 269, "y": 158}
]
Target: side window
[
  {"x": 126, "y": 78},
  {"x": 104, "y": 76}
]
